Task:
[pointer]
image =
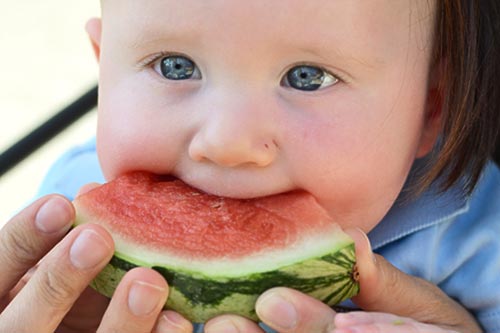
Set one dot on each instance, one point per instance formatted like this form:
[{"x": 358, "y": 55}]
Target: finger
[
  {"x": 393, "y": 328},
  {"x": 87, "y": 187},
  {"x": 136, "y": 303},
  {"x": 384, "y": 288},
  {"x": 17, "y": 288},
  {"x": 231, "y": 324},
  {"x": 374, "y": 322},
  {"x": 172, "y": 322},
  {"x": 29, "y": 235},
  {"x": 58, "y": 281},
  {"x": 357, "y": 318},
  {"x": 86, "y": 313},
  {"x": 287, "y": 310}
]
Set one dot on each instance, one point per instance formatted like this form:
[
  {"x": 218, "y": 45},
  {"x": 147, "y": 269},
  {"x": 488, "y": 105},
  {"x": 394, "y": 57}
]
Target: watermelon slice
[{"x": 219, "y": 254}]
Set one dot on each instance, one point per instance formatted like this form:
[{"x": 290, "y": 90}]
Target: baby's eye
[
  {"x": 177, "y": 67},
  {"x": 308, "y": 78}
]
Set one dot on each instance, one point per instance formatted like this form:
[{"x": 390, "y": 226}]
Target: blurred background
[{"x": 46, "y": 62}]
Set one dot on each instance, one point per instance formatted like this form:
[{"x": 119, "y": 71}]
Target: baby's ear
[
  {"x": 93, "y": 28},
  {"x": 434, "y": 112}
]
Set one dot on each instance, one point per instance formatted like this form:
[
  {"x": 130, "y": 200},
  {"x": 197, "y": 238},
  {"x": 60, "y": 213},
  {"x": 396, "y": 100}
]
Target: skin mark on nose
[{"x": 266, "y": 145}]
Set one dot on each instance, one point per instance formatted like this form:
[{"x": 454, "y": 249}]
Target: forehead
[
  {"x": 298, "y": 14},
  {"x": 324, "y": 23}
]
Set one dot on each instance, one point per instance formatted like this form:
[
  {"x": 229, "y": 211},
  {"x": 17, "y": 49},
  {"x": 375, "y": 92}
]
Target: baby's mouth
[
  {"x": 167, "y": 178},
  {"x": 216, "y": 193}
]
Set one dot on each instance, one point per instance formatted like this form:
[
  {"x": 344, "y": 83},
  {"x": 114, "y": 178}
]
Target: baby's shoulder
[
  {"x": 468, "y": 251},
  {"x": 484, "y": 202},
  {"x": 490, "y": 180}
]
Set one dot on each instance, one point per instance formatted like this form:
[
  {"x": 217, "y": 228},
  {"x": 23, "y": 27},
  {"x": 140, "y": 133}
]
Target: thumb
[{"x": 384, "y": 288}]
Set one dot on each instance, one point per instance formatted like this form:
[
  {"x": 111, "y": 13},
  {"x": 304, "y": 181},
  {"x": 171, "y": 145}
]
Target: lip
[
  {"x": 170, "y": 178},
  {"x": 167, "y": 178},
  {"x": 240, "y": 189}
]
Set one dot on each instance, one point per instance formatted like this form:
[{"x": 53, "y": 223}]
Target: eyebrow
[
  {"x": 140, "y": 40},
  {"x": 320, "y": 53},
  {"x": 149, "y": 35}
]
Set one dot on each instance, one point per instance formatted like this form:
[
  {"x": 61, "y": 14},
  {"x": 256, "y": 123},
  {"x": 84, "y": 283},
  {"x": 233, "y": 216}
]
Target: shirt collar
[{"x": 409, "y": 215}]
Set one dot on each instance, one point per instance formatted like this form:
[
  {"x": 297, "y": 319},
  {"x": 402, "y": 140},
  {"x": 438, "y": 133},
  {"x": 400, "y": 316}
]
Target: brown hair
[{"x": 467, "y": 45}]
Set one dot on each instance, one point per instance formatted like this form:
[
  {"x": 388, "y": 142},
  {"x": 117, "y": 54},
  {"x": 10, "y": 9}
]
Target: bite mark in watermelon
[{"x": 219, "y": 254}]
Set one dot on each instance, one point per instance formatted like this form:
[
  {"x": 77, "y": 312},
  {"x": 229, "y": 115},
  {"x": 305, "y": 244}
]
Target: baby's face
[{"x": 253, "y": 98}]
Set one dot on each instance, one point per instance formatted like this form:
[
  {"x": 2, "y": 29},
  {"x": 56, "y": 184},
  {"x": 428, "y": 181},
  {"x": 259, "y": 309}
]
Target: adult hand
[
  {"x": 45, "y": 274},
  {"x": 390, "y": 296}
]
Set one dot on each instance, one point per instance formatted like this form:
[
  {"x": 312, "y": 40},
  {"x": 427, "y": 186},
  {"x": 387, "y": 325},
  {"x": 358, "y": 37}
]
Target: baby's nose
[{"x": 232, "y": 139}]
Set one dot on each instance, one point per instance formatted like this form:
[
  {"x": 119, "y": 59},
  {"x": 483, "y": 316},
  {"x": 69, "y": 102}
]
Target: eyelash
[
  {"x": 340, "y": 77},
  {"x": 148, "y": 62}
]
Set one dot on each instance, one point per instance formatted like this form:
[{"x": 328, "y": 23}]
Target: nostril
[
  {"x": 274, "y": 144},
  {"x": 197, "y": 157},
  {"x": 231, "y": 151},
  {"x": 195, "y": 152}
]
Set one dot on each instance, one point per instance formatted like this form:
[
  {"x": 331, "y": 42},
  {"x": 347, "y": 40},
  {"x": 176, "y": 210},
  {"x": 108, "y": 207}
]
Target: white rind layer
[{"x": 313, "y": 247}]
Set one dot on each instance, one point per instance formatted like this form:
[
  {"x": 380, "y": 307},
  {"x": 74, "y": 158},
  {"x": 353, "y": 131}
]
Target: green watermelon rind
[{"x": 329, "y": 278}]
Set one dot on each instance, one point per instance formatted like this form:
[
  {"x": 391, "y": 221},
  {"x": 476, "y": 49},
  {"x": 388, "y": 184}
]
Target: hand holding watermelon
[{"x": 45, "y": 274}]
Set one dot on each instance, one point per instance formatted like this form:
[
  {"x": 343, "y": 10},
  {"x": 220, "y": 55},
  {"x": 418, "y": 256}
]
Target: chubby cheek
[
  {"x": 356, "y": 172},
  {"x": 132, "y": 135},
  {"x": 121, "y": 153}
]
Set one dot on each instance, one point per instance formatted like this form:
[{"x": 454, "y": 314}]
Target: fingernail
[
  {"x": 277, "y": 311},
  {"x": 89, "y": 249},
  {"x": 54, "y": 216},
  {"x": 368, "y": 243},
  {"x": 222, "y": 326},
  {"x": 144, "y": 297},
  {"x": 171, "y": 319}
]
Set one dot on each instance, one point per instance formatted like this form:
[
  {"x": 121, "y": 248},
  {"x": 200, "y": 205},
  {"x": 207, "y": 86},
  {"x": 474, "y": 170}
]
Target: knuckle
[
  {"x": 19, "y": 249},
  {"x": 392, "y": 281},
  {"x": 330, "y": 326},
  {"x": 55, "y": 289},
  {"x": 392, "y": 278}
]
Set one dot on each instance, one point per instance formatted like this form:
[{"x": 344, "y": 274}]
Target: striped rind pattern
[{"x": 329, "y": 278}]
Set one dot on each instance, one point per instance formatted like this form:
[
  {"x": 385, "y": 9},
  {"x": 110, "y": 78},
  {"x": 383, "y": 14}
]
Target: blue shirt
[{"x": 448, "y": 239}]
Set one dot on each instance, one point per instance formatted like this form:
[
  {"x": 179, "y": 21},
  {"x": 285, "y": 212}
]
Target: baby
[{"x": 370, "y": 106}]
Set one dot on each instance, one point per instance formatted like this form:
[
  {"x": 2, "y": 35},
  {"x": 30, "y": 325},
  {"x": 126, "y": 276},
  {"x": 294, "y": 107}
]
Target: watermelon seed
[{"x": 217, "y": 204}]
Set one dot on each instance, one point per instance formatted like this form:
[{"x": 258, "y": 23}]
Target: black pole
[
  {"x": 46, "y": 131},
  {"x": 497, "y": 151}
]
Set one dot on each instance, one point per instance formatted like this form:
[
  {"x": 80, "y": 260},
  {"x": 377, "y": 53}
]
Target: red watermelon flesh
[{"x": 171, "y": 216}]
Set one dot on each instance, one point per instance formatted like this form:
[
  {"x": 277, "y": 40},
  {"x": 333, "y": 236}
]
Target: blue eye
[
  {"x": 308, "y": 78},
  {"x": 177, "y": 68}
]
